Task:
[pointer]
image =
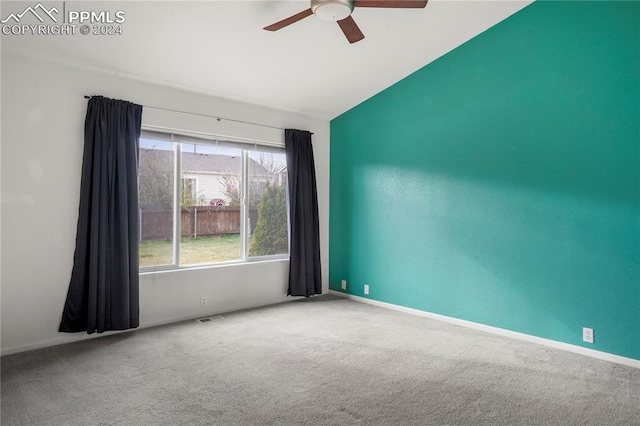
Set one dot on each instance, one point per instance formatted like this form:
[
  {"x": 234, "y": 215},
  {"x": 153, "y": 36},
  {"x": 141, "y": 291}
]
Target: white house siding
[{"x": 209, "y": 187}]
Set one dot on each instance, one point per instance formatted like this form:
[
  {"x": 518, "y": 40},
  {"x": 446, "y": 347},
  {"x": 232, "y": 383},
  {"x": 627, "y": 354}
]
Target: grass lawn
[{"x": 218, "y": 248}]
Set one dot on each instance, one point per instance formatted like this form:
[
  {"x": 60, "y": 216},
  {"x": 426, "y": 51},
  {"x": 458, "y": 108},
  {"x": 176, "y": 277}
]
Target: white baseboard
[
  {"x": 64, "y": 338},
  {"x": 221, "y": 311},
  {"x": 499, "y": 331}
]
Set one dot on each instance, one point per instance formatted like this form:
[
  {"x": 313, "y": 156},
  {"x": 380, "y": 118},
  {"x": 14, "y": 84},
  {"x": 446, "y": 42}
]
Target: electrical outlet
[
  {"x": 344, "y": 284},
  {"x": 587, "y": 335},
  {"x": 366, "y": 289},
  {"x": 203, "y": 301}
]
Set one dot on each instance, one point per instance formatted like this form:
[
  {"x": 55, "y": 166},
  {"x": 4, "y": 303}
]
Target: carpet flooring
[{"x": 320, "y": 361}]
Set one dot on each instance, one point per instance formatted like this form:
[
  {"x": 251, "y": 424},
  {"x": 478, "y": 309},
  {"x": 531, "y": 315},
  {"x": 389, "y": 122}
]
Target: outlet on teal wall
[{"x": 500, "y": 184}]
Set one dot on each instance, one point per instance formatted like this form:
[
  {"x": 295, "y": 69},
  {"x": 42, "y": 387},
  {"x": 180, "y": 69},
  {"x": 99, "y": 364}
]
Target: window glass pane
[
  {"x": 156, "y": 180},
  {"x": 267, "y": 204},
  {"x": 210, "y": 204},
  {"x": 213, "y": 224}
]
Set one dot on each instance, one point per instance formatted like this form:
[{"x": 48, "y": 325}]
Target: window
[
  {"x": 189, "y": 193},
  {"x": 204, "y": 202}
]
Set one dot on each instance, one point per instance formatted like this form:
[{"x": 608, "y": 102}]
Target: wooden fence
[{"x": 157, "y": 223}]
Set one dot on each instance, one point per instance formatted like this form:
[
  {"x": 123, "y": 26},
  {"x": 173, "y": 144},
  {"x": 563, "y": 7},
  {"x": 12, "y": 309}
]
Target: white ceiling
[{"x": 220, "y": 48}]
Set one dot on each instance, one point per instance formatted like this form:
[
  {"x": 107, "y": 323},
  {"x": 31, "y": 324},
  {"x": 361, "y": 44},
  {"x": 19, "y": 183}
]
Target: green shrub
[{"x": 270, "y": 235}]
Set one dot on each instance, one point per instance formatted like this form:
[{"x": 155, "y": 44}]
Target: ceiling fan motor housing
[{"x": 332, "y": 10}]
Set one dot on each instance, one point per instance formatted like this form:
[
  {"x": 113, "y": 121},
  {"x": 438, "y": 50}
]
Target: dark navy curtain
[
  {"x": 304, "y": 238},
  {"x": 103, "y": 292}
]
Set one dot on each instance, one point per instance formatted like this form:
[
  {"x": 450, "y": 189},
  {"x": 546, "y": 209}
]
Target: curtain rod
[{"x": 207, "y": 116}]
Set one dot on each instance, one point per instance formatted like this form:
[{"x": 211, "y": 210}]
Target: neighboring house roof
[
  {"x": 195, "y": 163},
  {"x": 200, "y": 163}
]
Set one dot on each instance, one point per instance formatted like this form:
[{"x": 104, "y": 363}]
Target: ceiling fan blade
[
  {"x": 290, "y": 20},
  {"x": 392, "y": 4},
  {"x": 350, "y": 29}
]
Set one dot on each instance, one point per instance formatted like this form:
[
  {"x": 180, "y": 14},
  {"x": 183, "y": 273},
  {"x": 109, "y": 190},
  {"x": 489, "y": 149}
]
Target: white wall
[{"x": 42, "y": 143}]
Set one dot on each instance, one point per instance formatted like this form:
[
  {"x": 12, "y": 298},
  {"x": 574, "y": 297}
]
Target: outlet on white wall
[
  {"x": 203, "y": 301},
  {"x": 587, "y": 335}
]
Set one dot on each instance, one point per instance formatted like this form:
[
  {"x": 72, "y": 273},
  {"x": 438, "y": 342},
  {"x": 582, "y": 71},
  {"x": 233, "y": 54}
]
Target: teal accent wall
[{"x": 500, "y": 184}]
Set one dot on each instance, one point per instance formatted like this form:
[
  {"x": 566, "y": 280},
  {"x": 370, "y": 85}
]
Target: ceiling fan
[{"x": 340, "y": 11}]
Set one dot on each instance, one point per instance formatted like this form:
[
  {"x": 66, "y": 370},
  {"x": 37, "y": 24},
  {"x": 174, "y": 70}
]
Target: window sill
[{"x": 172, "y": 268}]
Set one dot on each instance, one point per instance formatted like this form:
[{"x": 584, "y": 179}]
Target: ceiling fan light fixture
[{"x": 332, "y": 10}]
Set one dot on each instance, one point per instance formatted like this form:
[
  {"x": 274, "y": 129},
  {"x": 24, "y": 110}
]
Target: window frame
[{"x": 245, "y": 146}]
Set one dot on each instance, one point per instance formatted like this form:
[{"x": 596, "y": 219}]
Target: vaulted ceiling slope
[{"x": 220, "y": 47}]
